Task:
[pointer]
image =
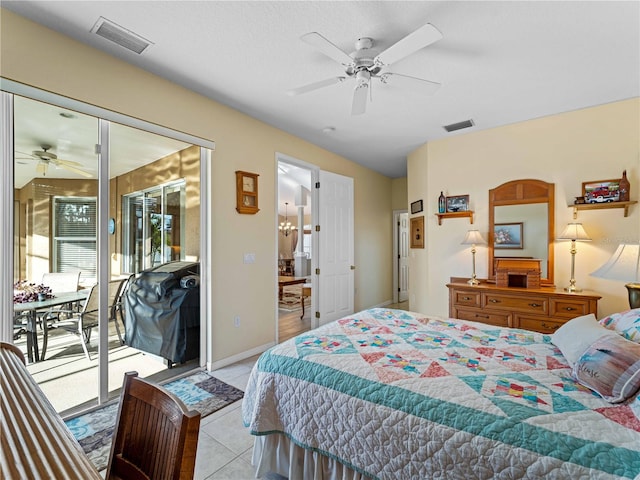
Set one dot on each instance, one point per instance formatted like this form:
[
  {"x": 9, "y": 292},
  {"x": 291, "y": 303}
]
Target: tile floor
[{"x": 225, "y": 445}]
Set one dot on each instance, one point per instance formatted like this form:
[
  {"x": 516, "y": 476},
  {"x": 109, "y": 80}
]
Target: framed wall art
[
  {"x": 416, "y": 207},
  {"x": 507, "y": 235},
  {"x": 458, "y": 203},
  {"x": 417, "y": 232},
  {"x": 601, "y": 191}
]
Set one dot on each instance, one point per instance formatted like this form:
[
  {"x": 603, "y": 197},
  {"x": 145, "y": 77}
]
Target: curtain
[{"x": 294, "y": 242}]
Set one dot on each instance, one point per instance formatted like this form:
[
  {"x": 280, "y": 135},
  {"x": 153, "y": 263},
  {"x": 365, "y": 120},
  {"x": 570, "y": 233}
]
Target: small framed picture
[
  {"x": 601, "y": 191},
  {"x": 507, "y": 235},
  {"x": 416, "y": 207},
  {"x": 459, "y": 203},
  {"x": 417, "y": 232}
]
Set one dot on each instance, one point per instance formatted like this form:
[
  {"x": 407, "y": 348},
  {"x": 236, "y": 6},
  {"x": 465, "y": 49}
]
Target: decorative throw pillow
[
  {"x": 575, "y": 336},
  {"x": 611, "y": 368},
  {"x": 625, "y": 323}
]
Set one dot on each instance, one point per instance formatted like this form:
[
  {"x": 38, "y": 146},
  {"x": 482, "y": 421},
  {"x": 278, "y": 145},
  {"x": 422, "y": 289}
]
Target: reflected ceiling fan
[
  {"x": 367, "y": 63},
  {"x": 46, "y": 158}
]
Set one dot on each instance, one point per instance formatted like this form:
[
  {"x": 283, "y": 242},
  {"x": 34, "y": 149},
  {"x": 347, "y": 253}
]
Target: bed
[{"x": 391, "y": 394}]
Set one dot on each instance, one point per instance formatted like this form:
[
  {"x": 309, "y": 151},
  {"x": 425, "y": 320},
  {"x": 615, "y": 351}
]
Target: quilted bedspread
[{"x": 398, "y": 395}]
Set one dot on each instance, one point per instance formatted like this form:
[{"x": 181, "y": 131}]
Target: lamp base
[
  {"x": 473, "y": 281},
  {"x": 572, "y": 289},
  {"x": 634, "y": 294}
]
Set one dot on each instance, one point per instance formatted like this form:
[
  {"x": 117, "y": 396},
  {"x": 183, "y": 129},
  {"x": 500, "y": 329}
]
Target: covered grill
[{"x": 162, "y": 311}]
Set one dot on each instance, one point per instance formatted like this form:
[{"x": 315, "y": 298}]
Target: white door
[
  {"x": 335, "y": 247},
  {"x": 403, "y": 257}
]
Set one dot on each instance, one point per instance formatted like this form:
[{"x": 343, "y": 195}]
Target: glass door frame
[{"x": 104, "y": 117}]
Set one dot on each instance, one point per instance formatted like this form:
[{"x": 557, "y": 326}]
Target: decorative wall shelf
[
  {"x": 600, "y": 206},
  {"x": 468, "y": 213}
]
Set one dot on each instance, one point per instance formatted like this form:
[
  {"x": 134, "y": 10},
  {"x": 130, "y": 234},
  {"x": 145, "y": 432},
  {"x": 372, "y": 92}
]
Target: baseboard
[
  {"x": 383, "y": 304},
  {"x": 239, "y": 357}
]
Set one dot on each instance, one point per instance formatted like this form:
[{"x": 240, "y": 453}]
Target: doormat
[{"x": 199, "y": 391}]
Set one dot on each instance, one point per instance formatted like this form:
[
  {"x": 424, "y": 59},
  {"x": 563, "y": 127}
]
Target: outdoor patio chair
[
  {"x": 79, "y": 322},
  {"x": 155, "y": 435}
]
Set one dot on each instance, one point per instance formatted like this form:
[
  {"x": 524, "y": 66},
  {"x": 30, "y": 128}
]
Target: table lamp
[
  {"x": 624, "y": 265},
  {"x": 574, "y": 232},
  {"x": 473, "y": 238}
]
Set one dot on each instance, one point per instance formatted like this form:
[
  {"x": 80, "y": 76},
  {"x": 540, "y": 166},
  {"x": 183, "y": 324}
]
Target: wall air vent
[
  {"x": 123, "y": 37},
  {"x": 459, "y": 126}
]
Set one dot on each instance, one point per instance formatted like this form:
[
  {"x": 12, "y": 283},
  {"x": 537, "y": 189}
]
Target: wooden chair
[{"x": 155, "y": 436}]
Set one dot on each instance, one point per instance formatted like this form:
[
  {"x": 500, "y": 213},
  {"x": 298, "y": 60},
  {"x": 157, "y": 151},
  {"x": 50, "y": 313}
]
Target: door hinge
[
  {"x": 317, "y": 314},
  {"x": 317, "y": 184},
  {"x": 353, "y": 267},
  {"x": 317, "y": 271},
  {"x": 317, "y": 228},
  {"x": 98, "y": 149}
]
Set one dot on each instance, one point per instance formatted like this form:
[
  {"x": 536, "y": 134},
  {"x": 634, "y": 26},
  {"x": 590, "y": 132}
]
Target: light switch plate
[{"x": 249, "y": 258}]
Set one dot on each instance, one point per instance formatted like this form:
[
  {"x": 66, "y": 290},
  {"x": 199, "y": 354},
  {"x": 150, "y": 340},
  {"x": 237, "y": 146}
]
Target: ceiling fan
[
  {"x": 367, "y": 63},
  {"x": 46, "y": 158}
]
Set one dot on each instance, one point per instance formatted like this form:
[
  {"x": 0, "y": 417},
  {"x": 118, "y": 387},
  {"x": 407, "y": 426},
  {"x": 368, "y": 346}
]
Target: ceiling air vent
[
  {"x": 123, "y": 37},
  {"x": 459, "y": 126}
]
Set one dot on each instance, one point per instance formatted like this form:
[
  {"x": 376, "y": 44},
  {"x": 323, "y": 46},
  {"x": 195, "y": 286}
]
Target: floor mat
[{"x": 199, "y": 391}]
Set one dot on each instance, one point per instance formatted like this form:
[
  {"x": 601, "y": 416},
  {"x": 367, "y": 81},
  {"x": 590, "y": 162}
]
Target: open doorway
[
  {"x": 295, "y": 249},
  {"x": 400, "y": 256}
]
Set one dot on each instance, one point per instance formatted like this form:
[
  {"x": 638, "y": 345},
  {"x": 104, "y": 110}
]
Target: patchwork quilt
[{"x": 398, "y": 395}]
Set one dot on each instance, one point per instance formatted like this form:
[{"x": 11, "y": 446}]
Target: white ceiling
[{"x": 498, "y": 62}]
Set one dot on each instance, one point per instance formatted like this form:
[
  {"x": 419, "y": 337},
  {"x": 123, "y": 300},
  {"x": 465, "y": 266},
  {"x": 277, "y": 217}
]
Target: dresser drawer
[
  {"x": 543, "y": 325},
  {"x": 492, "y": 318},
  {"x": 526, "y": 304},
  {"x": 469, "y": 299},
  {"x": 569, "y": 308}
]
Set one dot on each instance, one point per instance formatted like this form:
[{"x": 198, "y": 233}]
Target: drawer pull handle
[
  {"x": 481, "y": 316},
  {"x": 550, "y": 327},
  {"x": 570, "y": 309},
  {"x": 535, "y": 305},
  {"x": 466, "y": 298},
  {"x": 493, "y": 300}
]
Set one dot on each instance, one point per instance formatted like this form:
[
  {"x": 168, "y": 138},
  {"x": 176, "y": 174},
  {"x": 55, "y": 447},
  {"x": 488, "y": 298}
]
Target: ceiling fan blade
[
  {"x": 329, "y": 49},
  {"x": 425, "y": 35},
  {"x": 315, "y": 86},
  {"x": 426, "y": 86},
  {"x": 76, "y": 170},
  {"x": 59, "y": 161},
  {"x": 359, "y": 105}
]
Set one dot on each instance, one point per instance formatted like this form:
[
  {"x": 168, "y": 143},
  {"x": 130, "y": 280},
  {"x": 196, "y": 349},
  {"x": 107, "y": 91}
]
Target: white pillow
[{"x": 575, "y": 336}]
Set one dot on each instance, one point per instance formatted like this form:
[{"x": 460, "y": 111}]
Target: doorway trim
[{"x": 315, "y": 174}]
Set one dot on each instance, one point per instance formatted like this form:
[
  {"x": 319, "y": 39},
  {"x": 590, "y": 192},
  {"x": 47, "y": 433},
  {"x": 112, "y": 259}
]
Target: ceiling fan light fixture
[{"x": 41, "y": 167}]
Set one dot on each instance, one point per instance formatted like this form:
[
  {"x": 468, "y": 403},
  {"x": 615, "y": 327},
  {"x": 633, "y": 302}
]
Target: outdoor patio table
[{"x": 32, "y": 308}]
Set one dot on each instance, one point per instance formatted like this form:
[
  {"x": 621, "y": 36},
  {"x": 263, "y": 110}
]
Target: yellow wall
[
  {"x": 567, "y": 149},
  {"x": 245, "y": 290},
  {"x": 399, "y": 194}
]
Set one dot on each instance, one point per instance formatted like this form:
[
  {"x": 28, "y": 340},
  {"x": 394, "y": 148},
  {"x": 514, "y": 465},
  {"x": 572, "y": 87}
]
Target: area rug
[
  {"x": 199, "y": 391},
  {"x": 290, "y": 301}
]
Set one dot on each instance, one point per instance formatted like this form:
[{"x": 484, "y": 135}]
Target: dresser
[{"x": 538, "y": 309}]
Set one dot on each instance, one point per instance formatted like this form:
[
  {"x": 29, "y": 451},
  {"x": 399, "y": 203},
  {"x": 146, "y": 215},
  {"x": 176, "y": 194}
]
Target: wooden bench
[{"x": 36, "y": 443}]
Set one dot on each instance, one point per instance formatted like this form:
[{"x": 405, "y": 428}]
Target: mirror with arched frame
[{"x": 524, "y": 211}]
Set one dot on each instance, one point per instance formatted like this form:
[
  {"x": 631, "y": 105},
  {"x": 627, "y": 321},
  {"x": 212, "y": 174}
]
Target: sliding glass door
[{"x": 98, "y": 202}]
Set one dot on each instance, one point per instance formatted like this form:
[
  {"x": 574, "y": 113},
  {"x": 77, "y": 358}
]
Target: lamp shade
[
  {"x": 624, "y": 264},
  {"x": 574, "y": 231},
  {"x": 473, "y": 237}
]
